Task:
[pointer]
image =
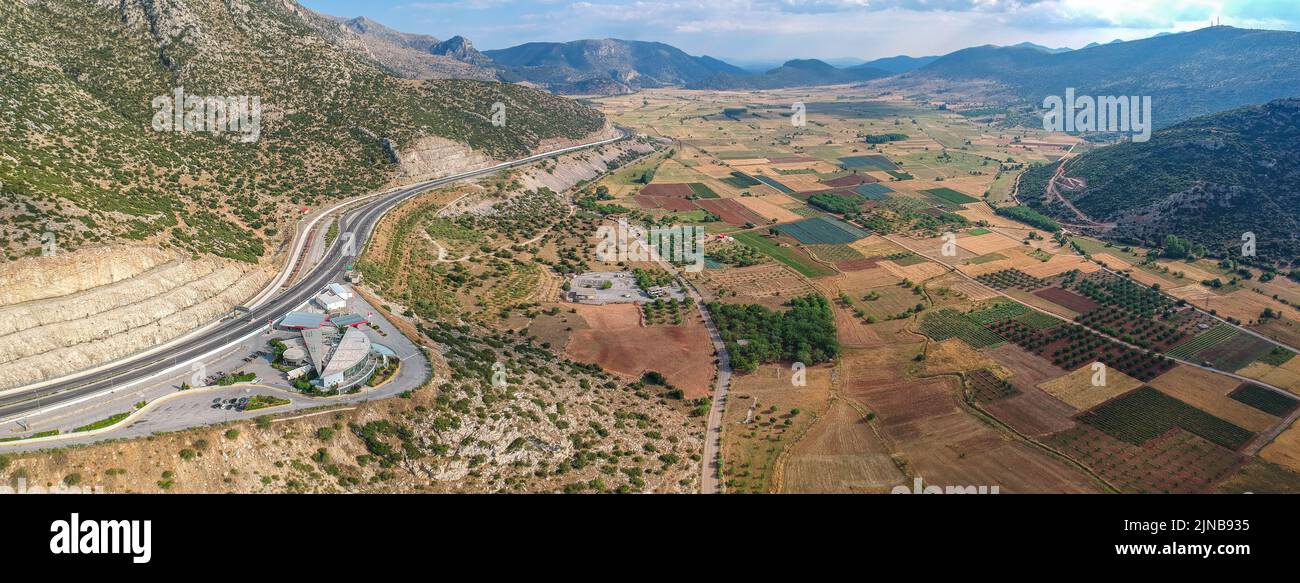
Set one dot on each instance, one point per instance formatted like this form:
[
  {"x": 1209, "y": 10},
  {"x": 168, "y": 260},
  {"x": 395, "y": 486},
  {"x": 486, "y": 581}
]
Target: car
[
  {"x": 216, "y": 405},
  {"x": 217, "y": 400}
]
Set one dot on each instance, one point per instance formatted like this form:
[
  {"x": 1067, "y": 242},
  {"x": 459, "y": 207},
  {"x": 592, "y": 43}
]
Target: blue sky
[{"x": 761, "y": 30}]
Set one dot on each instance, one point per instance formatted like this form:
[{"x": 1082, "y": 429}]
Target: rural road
[
  {"x": 711, "y": 470},
  {"x": 20, "y": 403},
  {"x": 711, "y": 463}
]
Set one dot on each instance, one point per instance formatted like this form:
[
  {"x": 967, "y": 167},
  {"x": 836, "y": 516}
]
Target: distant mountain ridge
[
  {"x": 1187, "y": 75},
  {"x": 898, "y": 64},
  {"x": 794, "y": 73}
]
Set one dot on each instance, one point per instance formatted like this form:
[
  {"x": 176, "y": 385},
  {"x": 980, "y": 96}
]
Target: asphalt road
[{"x": 360, "y": 223}]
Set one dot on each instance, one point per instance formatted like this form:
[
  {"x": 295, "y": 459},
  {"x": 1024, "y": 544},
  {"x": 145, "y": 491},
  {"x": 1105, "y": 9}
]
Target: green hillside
[
  {"x": 79, "y": 156},
  {"x": 1207, "y": 180}
]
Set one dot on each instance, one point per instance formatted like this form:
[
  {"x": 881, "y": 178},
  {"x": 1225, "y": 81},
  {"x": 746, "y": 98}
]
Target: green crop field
[
  {"x": 986, "y": 258},
  {"x": 1038, "y": 320},
  {"x": 791, "y": 257},
  {"x": 1278, "y": 356},
  {"x": 1202, "y": 341},
  {"x": 824, "y": 230},
  {"x": 739, "y": 179},
  {"x": 873, "y": 191},
  {"x": 1271, "y": 402},
  {"x": 703, "y": 190},
  {"x": 948, "y": 323},
  {"x": 774, "y": 184},
  {"x": 871, "y": 162},
  {"x": 1144, "y": 414},
  {"x": 950, "y": 196},
  {"x": 834, "y": 253},
  {"x": 998, "y": 313}
]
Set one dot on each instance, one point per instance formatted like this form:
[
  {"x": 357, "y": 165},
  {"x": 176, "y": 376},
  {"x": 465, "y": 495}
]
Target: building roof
[
  {"x": 339, "y": 290},
  {"x": 352, "y": 349},
  {"x": 329, "y": 299},
  {"x": 302, "y": 320},
  {"x": 348, "y": 320},
  {"x": 317, "y": 349}
]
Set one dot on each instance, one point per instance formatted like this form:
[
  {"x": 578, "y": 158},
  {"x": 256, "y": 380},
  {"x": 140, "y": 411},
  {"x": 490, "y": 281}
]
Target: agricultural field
[
  {"x": 823, "y": 231},
  {"x": 1012, "y": 279},
  {"x": 1146, "y": 414},
  {"x": 1175, "y": 462},
  {"x": 792, "y": 257},
  {"x": 1270, "y": 402},
  {"x": 947, "y": 323},
  {"x": 1014, "y": 341},
  {"x": 1223, "y": 346},
  {"x": 769, "y": 415},
  {"x": 615, "y": 339}
]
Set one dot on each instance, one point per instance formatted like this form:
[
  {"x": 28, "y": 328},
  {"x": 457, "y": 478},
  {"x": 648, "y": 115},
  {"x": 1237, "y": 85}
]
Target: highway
[{"x": 18, "y": 404}]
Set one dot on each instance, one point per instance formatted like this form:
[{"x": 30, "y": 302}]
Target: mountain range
[{"x": 1187, "y": 75}]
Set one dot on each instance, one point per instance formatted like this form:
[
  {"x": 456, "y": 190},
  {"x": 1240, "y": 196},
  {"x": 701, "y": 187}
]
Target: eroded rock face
[
  {"x": 63, "y": 274},
  {"x": 74, "y": 311},
  {"x": 433, "y": 157}
]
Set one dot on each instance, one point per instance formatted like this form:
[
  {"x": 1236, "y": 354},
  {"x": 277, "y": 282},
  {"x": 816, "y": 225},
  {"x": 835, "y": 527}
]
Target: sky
[{"x": 775, "y": 30}]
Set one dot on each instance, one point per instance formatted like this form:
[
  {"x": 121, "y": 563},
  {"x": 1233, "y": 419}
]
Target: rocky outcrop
[
  {"x": 64, "y": 274},
  {"x": 104, "y": 304},
  {"x": 570, "y": 169},
  {"x": 433, "y": 157}
]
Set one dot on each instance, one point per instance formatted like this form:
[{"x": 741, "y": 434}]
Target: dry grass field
[
  {"x": 841, "y": 453},
  {"x": 1286, "y": 376},
  {"x": 1077, "y": 390},
  {"x": 768, "y": 210},
  {"x": 755, "y": 428}
]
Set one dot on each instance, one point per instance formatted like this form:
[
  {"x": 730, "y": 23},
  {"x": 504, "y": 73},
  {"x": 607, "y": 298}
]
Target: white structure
[
  {"x": 340, "y": 291},
  {"x": 331, "y": 303},
  {"x": 348, "y": 358}
]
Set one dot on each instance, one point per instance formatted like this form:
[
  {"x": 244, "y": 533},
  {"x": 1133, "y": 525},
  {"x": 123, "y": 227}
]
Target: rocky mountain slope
[
  {"x": 1206, "y": 180},
  {"x": 605, "y": 65},
  {"x": 85, "y": 82},
  {"x": 415, "y": 56}
]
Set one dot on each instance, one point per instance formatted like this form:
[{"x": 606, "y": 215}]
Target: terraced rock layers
[{"x": 66, "y": 313}]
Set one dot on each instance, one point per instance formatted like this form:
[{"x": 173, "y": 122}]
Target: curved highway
[{"x": 360, "y": 222}]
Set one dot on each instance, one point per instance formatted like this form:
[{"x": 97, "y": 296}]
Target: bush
[{"x": 232, "y": 434}]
